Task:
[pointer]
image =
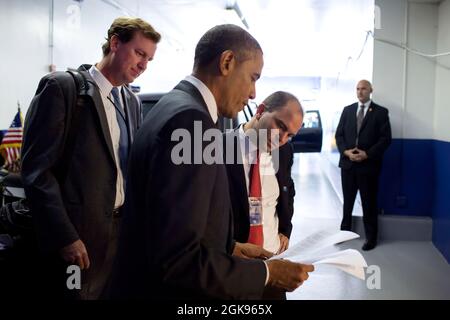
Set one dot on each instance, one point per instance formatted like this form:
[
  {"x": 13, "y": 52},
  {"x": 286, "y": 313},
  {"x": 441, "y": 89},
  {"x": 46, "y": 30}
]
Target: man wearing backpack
[{"x": 74, "y": 159}]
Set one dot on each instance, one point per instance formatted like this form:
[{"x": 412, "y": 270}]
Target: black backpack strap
[
  {"x": 80, "y": 81},
  {"x": 81, "y": 85}
]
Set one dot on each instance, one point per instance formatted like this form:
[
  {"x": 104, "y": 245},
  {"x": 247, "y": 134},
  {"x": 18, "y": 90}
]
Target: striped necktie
[{"x": 256, "y": 235}]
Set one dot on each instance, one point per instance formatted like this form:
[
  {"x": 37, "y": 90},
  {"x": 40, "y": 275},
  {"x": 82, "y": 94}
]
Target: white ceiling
[
  {"x": 425, "y": 1},
  {"x": 288, "y": 30},
  {"x": 298, "y": 37}
]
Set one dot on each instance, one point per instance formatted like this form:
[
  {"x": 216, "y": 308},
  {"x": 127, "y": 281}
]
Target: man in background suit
[
  {"x": 362, "y": 136},
  {"x": 76, "y": 196},
  {"x": 176, "y": 239}
]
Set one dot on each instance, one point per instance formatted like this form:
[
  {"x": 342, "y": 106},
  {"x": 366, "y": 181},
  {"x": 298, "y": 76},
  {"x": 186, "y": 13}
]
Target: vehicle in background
[
  {"x": 135, "y": 89},
  {"x": 309, "y": 137},
  {"x": 148, "y": 101}
]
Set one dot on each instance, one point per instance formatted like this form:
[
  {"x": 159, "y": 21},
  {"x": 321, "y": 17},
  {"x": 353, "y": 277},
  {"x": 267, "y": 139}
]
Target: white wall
[
  {"x": 388, "y": 62},
  {"x": 26, "y": 37},
  {"x": 78, "y": 37},
  {"x": 404, "y": 82},
  {"x": 24, "y": 54},
  {"x": 442, "y": 100},
  {"x": 421, "y": 71}
]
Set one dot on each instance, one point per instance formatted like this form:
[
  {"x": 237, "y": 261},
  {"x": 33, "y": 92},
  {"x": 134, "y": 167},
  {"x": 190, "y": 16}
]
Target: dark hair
[
  {"x": 125, "y": 28},
  {"x": 278, "y": 100},
  {"x": 221, "y": 38}
]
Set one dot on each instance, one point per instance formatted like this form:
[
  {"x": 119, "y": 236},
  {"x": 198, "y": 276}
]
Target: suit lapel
[
  {"x": 128, "y": 114},
  {"x": 240, "y": 170},
  {"x": 94, "y": 93},
  {"x": 237, "y": 172},
  {"x": 352, "y": 119},
  {"x": 189, "y": 88}
]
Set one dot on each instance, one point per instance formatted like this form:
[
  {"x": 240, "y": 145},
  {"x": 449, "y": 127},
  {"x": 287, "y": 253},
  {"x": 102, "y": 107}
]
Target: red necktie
[{"x": 256, "y": 230}]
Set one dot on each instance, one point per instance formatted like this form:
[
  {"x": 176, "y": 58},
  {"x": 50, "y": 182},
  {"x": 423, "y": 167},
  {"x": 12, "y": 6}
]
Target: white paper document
[
  {"x": 350, "y": 261},
  {"x": 316, "y": 242},
  {"x": 308, "y": 251}
]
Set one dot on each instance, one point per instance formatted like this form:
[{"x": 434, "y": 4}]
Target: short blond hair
[{"x": 125, "y": 28}]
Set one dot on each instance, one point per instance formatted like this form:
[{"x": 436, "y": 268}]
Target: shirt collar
[
  {"x": 206, "y": 94},
  {"x": 367, "y": 104},
  {"x": 104, "y": 85}
]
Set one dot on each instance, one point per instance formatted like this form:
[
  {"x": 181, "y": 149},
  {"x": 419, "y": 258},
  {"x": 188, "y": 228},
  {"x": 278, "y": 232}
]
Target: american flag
[{"x": 12, "y": 143}]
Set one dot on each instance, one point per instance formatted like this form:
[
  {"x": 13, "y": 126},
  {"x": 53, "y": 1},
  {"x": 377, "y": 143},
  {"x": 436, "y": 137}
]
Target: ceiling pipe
[
  {"x": 120, "y": 7},
  {"x": 233, "y": 5}
]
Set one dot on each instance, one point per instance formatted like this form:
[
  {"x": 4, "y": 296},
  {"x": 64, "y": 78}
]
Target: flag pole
[{"x": 20, "y": 112}]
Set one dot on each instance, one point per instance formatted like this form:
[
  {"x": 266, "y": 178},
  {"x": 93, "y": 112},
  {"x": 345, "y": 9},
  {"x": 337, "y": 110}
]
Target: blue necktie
[{"x": 123, "y": 141}]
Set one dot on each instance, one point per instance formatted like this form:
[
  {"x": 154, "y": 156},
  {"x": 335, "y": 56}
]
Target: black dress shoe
[{"x": 369, "y": 245}]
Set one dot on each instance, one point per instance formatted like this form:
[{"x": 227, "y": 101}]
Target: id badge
[{"x": 255, "y": 210}]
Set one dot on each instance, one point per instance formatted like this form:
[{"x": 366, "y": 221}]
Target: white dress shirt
[
  {"x": 105, "y": 92},
  {"x": 206, "y": 94},
  {"x": 269, "y": 189}
]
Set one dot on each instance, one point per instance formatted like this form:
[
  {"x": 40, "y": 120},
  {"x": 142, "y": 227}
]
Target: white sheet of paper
[
  {"x": 346, "y": 257},
  {"x": 350, "y": 261},
  {"x": 355, "y": 271},
  {"x": 316, "y": 242},
  {"x": 308, "y": 251}
]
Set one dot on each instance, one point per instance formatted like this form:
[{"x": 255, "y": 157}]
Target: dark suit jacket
[
  {"x": 239, "y": 193},
  {"x": 176, "y": 238},
  {"x": 374, "y": 136},
  {"x": 79, "y": 206}
]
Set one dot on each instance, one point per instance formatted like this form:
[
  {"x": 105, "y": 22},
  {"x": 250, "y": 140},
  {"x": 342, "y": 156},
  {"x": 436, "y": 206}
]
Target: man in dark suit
[
  {"x": 362, "y": 136},
  {"x": 281, "y": 116},
  {"x": 280, "y": 111},
  {"x": 76, "y": 191},
  {"x": 176, "y": 239}
]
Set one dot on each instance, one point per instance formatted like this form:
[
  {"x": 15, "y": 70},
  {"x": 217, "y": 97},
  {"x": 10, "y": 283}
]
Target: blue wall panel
[
  {"x": 441, "y": 201},
  {"x": 407, "y": 178},
  {"x": 415, "y": 181}
]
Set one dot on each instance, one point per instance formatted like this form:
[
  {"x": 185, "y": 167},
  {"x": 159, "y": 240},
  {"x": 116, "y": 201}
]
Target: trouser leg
[
  {"x": 368, "y": 188},
  {"x": 349, "y": 190}
]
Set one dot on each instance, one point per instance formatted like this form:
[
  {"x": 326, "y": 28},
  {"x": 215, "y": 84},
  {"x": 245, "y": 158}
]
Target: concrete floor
[{"x": 408, "y": 269}]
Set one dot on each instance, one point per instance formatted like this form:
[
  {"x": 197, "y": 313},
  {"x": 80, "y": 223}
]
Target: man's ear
[
  {"x": 227, "y": 61},
  {"x": 260, "y": 110},
  {"x": 114, "y": 43}
]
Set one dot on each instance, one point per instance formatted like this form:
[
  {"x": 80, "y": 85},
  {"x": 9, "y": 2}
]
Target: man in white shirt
[
  {"x": 75, "y": 154},
  {"x": 279, "y": 117}
]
